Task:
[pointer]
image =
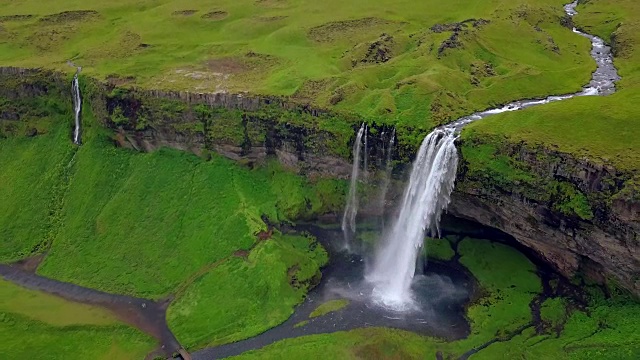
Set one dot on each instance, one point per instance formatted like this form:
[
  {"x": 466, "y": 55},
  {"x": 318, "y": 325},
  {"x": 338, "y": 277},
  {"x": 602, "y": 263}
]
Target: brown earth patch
[
  {"x": 270, "y": 18},
  {"x": 336, "y": 29},
  {"x": 30, "y": 264},
  {"x": 184, "y": 12},
  {"x": 311, "y": 89},
  {"x": 228, "y": 65},
  {"x": 265, "y": 235},
  {"x": 244, "y": 254},
  {"x": 215, "y": 15},
  {"x": 70, "y": 16},
  {"x": 117, "y": 80},
  {"x": 377, "y": 52}
]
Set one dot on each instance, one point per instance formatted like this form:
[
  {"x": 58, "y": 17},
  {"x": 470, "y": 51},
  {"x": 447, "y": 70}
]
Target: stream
[{"x": 443, "y": 290}]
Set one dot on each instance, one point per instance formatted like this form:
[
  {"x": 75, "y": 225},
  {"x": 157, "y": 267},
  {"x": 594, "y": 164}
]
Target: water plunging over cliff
[
  {"x": 432, "y": 181},
  {"x": 77, "y": 106},
  {"x": 386, "y": 180},
  {"x": 427, "y": 195},
  {"x": 351, "y": 210}
]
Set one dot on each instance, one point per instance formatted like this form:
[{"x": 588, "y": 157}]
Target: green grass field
[
  {"x": 243, "y": 297},
  {"x": 603, "y": 129},
  {"x": 34, "y": 325},
  {"x": 380, "y": 60}
]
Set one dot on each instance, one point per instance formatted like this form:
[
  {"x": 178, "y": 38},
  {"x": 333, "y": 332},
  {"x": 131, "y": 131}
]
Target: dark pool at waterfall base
[{"x": 440, "y": 295}]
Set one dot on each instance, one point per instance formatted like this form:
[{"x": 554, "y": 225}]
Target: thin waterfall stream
[
  {"x": 386, "y": 180},
  {"x": 77, "y": 106},
  {"x": 351, "y": 209},
  {"x": 431, "y": 182}
]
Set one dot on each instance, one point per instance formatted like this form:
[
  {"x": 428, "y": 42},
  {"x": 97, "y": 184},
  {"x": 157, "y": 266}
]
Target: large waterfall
[
  {"x": 351, "y": 210},
  {"x": 427, "y": 195},
  {"x": 77, "y": 106},
  {"x": 386, "y": 180},
  {"x": 432, "y": 180}
]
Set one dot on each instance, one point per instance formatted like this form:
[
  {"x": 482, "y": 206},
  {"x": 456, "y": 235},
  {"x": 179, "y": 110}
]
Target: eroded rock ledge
[{"x": 604, "y": 244}]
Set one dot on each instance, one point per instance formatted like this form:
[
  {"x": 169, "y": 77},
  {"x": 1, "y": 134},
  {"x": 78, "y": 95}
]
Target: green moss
[
  {"x": 240, "y": 298},
  {"x": 491, "y": 162},
  {"x": 554, "y": 311},
  {"x": 439, "y": 249},
  {"x": 509, "y": 283},
  {"x": 328, "y": 307}
]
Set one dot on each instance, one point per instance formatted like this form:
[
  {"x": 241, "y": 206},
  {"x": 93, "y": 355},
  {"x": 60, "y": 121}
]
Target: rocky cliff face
[
  {"x": 602, "y": 241},
  {"x": 577, "y": 215}
]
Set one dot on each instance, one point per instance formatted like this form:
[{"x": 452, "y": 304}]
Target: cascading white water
[
  {"x": 427, "y": 195},
  {"x": 365, "y": 167},
  {"x": 351, "y": 210},
  {"x": 386, "y": 180},
  {"x": 77, "y": 106},
  {"x": 432, "y": 181}
]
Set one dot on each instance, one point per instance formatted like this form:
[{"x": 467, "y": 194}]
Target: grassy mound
[
  {"x": 247, "y": 294},
  {"x": 170, "y": 213}
]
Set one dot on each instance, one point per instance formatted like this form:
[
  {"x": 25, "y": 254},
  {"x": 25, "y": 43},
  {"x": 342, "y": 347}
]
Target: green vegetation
[
  {"x": 243, "y": 297},
  {"x": 607, "y": 328},
  {"x": 581, "y": 126},
  {"x": 170, "y": 223},
  {"x": 509, "y": 282},
  {"x": 177, "y": 221},
  {"x": 439, "y": 249},
  {"x": 553, "y": 311},
  {"x": 394, "y": 66},
  {"x": 328, "y": 307},
  {"x": 34, "y": 325},
  {"x": 198, "y": 213},
  {"x": 369, "y": 343},
  {"x": 487, "y": 166}
]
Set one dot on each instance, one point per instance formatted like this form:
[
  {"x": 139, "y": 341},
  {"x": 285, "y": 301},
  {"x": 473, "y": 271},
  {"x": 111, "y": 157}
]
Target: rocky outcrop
[{"x": 605, "y": 245}]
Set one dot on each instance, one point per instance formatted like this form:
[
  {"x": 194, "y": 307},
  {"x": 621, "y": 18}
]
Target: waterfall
[
  {"x": 427, "y": 195},
  {"x": 366, "y": 152},
  {"x": 386, "y": 180},
  {"x": 351, "y": 210},
  {"x": 432, "y": 180},
  {"x": 77, "y": 106}
]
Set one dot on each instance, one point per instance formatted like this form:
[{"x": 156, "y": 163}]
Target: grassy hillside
[
  {"x": 154, "y": 225},
  {"x": 603, "y": 129},
  {"x": 39, "y": 326},
  {"x": 415, "y": 64}
]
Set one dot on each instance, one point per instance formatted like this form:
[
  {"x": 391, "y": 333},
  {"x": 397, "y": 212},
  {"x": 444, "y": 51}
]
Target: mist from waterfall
[
  {"x": 77, "y": 106},
  {"x": 386, "y": 180},
  {"x": 351, "y": 209},
  {"x": 425, "y": 198}
]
